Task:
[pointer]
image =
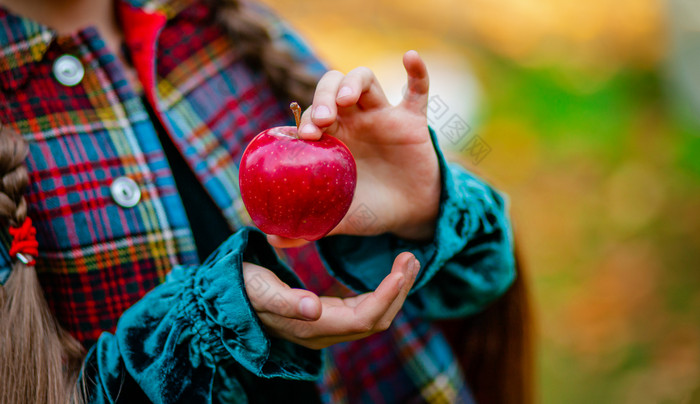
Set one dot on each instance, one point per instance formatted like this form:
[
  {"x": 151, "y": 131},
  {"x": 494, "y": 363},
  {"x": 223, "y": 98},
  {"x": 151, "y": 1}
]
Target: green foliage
[{"x": 618, "y": 309}]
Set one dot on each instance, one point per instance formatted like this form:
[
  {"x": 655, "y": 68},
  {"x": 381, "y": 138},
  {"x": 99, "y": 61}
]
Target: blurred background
[{"x": 588, "y": 115}]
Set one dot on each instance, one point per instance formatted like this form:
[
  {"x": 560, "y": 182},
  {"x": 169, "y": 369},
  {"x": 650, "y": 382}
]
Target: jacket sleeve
[
  {"x": 195, "y": 338},
  {"x": 468, "y": 264}
]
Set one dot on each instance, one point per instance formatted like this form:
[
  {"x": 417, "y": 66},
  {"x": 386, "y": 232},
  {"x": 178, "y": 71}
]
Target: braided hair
[
  {"x": 35, "y": 351},
  {"x": 39, "y": 361},
  {"x": 255, "y": 44}
]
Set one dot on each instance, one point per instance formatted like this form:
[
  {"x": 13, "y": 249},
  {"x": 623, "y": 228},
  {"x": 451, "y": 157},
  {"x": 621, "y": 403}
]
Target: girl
[{"x": 136, "y": 113}]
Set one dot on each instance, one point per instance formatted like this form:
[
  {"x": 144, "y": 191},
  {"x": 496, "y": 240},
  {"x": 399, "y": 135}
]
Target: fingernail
[
  {"x": 344, "y": 92},
  {"x": 322, "y": 112},
  {"x": 307, "y": 129},
  {"x": 402, "y": 281},
  {"x": 416, "y": 266},
  {"x": 410, "y": 265},
  {"x": 307, "y": 307}
]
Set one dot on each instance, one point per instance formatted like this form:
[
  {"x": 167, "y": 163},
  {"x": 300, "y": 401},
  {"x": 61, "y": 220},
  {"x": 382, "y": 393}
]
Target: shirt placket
[{"x": 136, "y": 141}]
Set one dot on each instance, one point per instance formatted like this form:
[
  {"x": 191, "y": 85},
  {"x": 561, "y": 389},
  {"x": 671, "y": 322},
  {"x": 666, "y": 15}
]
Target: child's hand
[
  {"x": 320, "y": 322},
  {"x": 398, "y": 178}
]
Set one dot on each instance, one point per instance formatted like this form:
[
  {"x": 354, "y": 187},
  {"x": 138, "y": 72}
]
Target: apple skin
[{"x": 296, "y": 188}]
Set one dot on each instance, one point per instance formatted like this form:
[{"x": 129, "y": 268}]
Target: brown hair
[
  {"x": 39, "y": 361},
  {"x": 495, "y": 346},
  {"x": 255, "y": 44}
]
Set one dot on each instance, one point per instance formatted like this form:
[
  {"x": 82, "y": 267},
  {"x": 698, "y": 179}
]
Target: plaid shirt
[{"x": 97, "y": 258}]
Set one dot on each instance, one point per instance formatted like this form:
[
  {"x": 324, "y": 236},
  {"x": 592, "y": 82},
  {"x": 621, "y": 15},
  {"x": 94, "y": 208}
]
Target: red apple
[{"x": 296, "y": 188}]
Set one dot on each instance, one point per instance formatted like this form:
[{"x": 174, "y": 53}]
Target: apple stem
[{"x": 296, "y": 109}]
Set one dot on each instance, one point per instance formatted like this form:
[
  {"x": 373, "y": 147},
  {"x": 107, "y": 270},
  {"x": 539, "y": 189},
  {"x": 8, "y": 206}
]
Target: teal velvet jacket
[{"x": 196, "y": 338}]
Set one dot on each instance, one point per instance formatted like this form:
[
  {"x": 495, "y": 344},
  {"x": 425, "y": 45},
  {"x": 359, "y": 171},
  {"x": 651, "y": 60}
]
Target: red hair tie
[{"x": 24, "y": 244}]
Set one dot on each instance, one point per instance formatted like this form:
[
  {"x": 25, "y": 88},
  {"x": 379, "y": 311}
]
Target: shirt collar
[{"x": 24, "y": 42}]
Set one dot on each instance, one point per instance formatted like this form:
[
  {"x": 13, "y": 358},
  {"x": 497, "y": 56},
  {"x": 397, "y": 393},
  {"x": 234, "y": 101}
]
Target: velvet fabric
[
  {"x": 467, "y": 265},
  {"x": 193, "y": 337},
  {"x": 196, "y": 338}
]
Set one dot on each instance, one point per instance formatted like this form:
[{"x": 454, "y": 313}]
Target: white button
[
  {"x": 126, "y": 192},
  {"x": 68, "y": 70}
]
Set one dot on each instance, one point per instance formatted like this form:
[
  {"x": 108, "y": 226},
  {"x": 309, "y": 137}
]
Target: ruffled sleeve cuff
[
  {"x": 472, "y": 232},
  {"x": 224, "y": 322},
  {"x": 175, "y": 343}
]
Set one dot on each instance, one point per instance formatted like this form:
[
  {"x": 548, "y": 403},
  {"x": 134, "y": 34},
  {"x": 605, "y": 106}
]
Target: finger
[
  {"x": 339, "y": 322},
  {"x": 323, "y": 111},
  {"x": 307, "y": 129},
  {"x": 361, "y": 87},
  {"x": 416, "y": 96},
  {"x": 352, "y": 318},
  {"x": 311, "y": 334},
  {"x": 412, "y": 267},
  {"x": 267, "y": 293},
  {"x": 283, "y": 242},
  {"x": 404, "y": 263},
  {"x": 373, "y": 308}
]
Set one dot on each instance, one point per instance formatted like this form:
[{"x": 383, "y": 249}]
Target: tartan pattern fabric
[{"x": 96, "y": 258}]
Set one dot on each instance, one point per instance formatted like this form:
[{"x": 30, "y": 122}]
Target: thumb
[
  {"x": 416, "y": 96},
  {"x": 268, "y": 294}
]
